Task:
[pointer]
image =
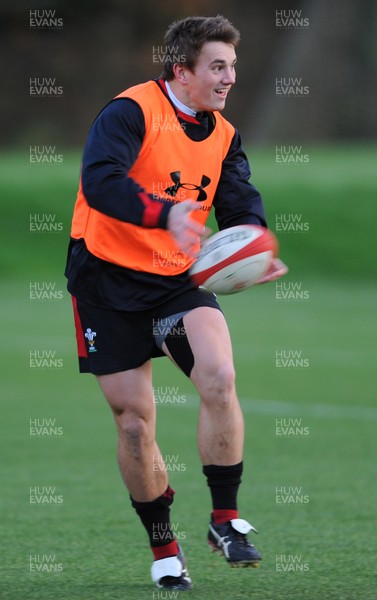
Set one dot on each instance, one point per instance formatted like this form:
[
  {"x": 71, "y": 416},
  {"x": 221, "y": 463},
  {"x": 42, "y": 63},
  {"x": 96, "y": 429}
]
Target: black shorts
[{"x": 109, "y": 341}]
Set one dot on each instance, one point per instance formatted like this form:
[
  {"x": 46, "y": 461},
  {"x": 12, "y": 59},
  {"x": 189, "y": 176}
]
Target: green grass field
[{"x": 322, "y": 545}]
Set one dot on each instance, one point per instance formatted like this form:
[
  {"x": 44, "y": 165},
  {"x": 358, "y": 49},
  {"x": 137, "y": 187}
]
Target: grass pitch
[{"x": 309, "y": 478}]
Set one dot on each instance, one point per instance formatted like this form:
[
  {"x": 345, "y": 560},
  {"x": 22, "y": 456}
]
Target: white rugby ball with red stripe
[{"x": 234, "y": 259}]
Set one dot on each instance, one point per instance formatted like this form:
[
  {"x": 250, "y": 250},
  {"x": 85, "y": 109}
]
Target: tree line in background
[{"x": 305, "y": 68}]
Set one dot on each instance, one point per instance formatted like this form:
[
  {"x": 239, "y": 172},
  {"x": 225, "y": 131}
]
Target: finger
[
  {"x": 196, "y": 228},
  {"x": 278, "y": 264},
  {"x": 276, "y": 269},
  {"x": 189, "y": 249},
  {"x": 272, "y": 277},
  {"x": 205, "y": 234},
  {"x": 189, "y": 206}
]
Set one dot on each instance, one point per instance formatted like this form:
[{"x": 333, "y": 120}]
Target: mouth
[{"x": 222, "y": 92}]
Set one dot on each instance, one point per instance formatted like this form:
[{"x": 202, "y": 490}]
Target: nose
[{"x": 229, "y": 76}]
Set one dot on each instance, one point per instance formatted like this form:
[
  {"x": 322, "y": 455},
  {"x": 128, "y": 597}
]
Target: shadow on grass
[{"x": 71, "y": 590}]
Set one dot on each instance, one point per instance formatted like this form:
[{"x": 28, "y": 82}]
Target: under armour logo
[{"x": 176, "y": 178}]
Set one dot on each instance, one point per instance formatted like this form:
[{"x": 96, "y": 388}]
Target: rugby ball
[{"x": 234, "y": 259}]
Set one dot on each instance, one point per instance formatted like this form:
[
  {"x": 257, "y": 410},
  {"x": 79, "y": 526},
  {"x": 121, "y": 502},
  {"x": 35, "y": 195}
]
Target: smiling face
[{"x": 207, "y": 86}]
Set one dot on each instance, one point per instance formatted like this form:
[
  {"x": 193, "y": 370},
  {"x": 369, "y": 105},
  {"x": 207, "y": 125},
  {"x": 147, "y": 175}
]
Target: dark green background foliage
[{"x": 106, "y": 46}]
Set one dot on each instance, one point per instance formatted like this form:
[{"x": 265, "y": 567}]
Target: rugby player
[{"x": 158, "y": 157}]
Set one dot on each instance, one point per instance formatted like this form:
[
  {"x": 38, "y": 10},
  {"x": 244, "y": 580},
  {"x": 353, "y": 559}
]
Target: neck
[{"x": 172, "y": 92}]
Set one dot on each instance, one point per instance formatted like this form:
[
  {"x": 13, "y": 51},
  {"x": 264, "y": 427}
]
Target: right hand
[{"x": 185, "y": 231}]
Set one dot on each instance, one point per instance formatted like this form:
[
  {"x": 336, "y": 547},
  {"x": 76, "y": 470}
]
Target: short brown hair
[{"x": 185, "y": 39}]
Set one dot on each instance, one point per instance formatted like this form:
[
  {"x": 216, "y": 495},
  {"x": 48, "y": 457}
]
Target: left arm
[{"x": 238, "y": 202}]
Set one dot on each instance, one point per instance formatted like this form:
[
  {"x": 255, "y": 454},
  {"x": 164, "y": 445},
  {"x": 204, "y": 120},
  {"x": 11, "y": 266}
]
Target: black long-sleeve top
[{"x": 112, "y": 147}]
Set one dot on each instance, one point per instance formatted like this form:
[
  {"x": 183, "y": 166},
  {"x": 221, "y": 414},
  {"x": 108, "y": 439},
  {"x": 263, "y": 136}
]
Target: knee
[
  {"x": 134, "y": 430},
  {"x": 218, "y": 384}
]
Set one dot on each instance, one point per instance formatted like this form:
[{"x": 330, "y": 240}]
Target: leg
[
  {"x": 130, "y": 395},
  {"x": 220, "y": 430},
  {"x": 221, "y": 427}
]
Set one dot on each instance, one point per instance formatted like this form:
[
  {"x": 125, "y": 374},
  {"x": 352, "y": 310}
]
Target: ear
[{"x": 179, "y": 71}]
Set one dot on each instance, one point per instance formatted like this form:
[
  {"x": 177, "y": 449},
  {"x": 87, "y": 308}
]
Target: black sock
[
  {"x": 223, "y": 482},
  {"x": 155, "y": 517}
]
